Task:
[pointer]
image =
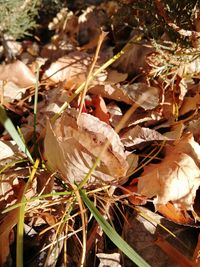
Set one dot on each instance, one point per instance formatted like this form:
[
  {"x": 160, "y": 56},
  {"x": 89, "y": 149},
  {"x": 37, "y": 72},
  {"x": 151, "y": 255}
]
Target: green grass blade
[
  {"x": 8, "y": 125},
  {"x": 113, "y": 235}
]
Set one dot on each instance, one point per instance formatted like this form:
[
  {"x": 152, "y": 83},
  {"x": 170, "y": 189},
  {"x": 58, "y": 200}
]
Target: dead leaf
[
  {"x": 134, "y": 60},
  {"x": 115, "y": 76},
  {"x": 176, "y": 131},
  {"x": 176, "y": 178},
  {"x": 145, "y": 96},
  {"x": 10, "y": 91},
  {"x": 194, "y": 127},
  {"x": 90, "y": 23},
  {"x": 175, "y": 215},
  {"x": 7, "y": 150},
  {"x": 137, "y": 135},
  {"x": 72, "y": 70},
  {"x": 109, "y": 260},
  {"x": 140, "y": 233},
  {"x": 17, "y": 73},
  {"x": 190, "y": 104},
  {"x": 10, "y": 192},
  {"x": 71, "y": 147},
  {"x": 115, "y": 113},
  {"x": 113, "y": 92},
  {"x": 100, "y": 109}
]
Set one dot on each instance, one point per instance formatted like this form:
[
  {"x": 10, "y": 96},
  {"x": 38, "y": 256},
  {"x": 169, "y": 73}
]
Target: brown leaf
[
  {"x": 145, "y": 96},
  {"x": 111, "y": 92},
  {"x": 137, "y": 135},
  {"x": 196, "y": 258},
  {"x": 100, "y": 110},
  {"x": 11, "y": 91},
  {"x": 175, "y": 215},
  {"x": 71, "y": 147},
  {"x": 72, "y": 70},
  {"x": 190, "y": 104},
  {"x": 10, "y": 192},
  {"x": 17, "y": 73},
  {"x": 176, "y": 178},
  {"x": 134, "y": 60},
  {"x": 109, "y": 260}
]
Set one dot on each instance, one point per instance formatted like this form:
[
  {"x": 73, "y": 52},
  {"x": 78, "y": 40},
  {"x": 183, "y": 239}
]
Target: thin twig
[{"x": 85, "y": 89}]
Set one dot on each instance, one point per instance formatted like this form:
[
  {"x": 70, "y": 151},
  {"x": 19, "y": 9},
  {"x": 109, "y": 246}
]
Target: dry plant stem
[
  {"x": 135, "y": 39},
  {"x": 21, "y": 213},
  {"x": 65, "y": 246},
  {"x": 59, "y": 228},
  {"x": 83, "y": 219},
  {"x": 2, "y": 92},
  {"x": 54, "y": 239},
  {"x": 83, "y": 93}
]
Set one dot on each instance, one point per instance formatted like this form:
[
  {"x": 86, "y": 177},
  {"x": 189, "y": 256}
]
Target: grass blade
[
  {"x": 113, "y": 235},
  {"x": 8, "y": 125}
]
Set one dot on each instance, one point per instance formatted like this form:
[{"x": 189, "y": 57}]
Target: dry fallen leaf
[
  {"x": 190, "y": 104},
  {"x": 10, "y": 91},
  {"x": 17, "y": 73},
  {"x": 72, "y": 70},
  {"x": 176, "y": 178},
  {"x": 147, "y": 97},
  {"x": 176, "y": 215},
  {"x": 109, "y": 260},
  {"x": 10, "y": 192},
  {"x": 99, "y": 109},
  {"x": 71, "y": 147},
  {"x": 138, "y": 135},
  {"x": 113, "y": 92},
  {"x": 140, "y": 233},
  {"x": 134, "y": 60}
]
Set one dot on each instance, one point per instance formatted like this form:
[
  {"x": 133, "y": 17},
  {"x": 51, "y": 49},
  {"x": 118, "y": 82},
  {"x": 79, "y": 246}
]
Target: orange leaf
[
  {"x": 100, "y": 111},
  {"x": 177, "y": 216}
]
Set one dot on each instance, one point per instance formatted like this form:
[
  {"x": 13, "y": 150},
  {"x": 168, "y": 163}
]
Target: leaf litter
[{"x": 152, "y": 159}]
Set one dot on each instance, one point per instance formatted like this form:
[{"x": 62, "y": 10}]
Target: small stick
[{"x": 85, "y": 89}]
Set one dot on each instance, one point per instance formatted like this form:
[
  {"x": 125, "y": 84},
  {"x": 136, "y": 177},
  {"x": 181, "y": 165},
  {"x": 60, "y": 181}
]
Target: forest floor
[{"x": 100, "y": 141}]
